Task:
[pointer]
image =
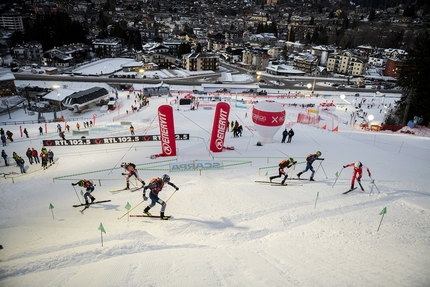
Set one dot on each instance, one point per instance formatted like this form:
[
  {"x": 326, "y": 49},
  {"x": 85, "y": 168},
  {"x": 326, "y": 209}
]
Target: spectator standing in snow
[
  {"x": 15, "y": 157},
  {"x": 284, "y": 135},
  {"x": 9, "y": 135},
  {"x": 35, "y": 156},
  {"x": 290, "y": 135},
  {"x": 51, "y": 157},
  {"x": 44, "y": 157},
  {"x": 29, "y": 154},
  {"x": 21, "y": 163},
  {"x": 4, "y": 156}
]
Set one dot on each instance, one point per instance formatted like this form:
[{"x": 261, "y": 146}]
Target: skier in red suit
[{"x": 357, "y": 172}]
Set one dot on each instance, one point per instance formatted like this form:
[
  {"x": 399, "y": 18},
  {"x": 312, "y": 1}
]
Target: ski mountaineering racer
[
  {"x": 131, "y": 170},
  {"x": 283, "y": 164},
  {"x": 155, "y": 186},
  {"x": 357, "y": 172},
  {"x": 89, "y": 187},
  {"x": 309, "y": 161}
]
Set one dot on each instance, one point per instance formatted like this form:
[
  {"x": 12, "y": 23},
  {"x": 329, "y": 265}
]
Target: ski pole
[
  {"x": 130, "y": 181},
  {"x": 326, "y": 177},
  {"x": 291, "y": 170},
  {"x": 337, "y": 177},
  {"x": 130, "y": 210},
  {"x": 171, "y": 196},
  {"x": 77, "y": 195},
  {"x": 318, "y": 167}
]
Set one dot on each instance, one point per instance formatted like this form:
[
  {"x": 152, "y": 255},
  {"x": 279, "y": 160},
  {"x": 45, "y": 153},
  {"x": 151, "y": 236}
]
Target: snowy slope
[{"x": 226, "y": 230}]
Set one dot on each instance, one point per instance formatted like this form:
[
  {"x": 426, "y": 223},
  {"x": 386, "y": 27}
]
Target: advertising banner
[
  {"x": 167, "y": 130},
  {"x": 110, "y": 140},
  {"x": 220, "y": 127}
]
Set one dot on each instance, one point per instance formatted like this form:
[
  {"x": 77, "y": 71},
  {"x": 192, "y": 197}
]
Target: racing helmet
[
  {"x": 358, "y": 164},
  {"x": 123, "y": 164},
  {"x": 318, "y": 153},
  {"x": 166, "y": 178},
  {"x": 291, "y": 159}
]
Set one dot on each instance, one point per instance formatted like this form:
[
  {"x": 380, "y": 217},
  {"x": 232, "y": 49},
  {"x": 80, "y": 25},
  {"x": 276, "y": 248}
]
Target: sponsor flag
[
  {"x": 167, "y": 130},
  {"x": 220, "y": 127}
]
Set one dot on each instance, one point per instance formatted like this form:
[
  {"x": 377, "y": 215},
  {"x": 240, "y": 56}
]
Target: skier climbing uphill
[
  {"x": 155, "y": 186},
  {"x": 89, "y": 186},
  {"x": 357, "y": 172},
  {"x": 283, "y": 164},
  {"x": 309, "y": 161},
  {"x": 131, "y": 170}
]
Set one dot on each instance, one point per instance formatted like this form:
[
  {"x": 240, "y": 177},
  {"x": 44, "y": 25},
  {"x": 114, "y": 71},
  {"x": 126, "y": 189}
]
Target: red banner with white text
[
  {"x": 220, "y": 127},
  {"x": 167, "y": 131}
]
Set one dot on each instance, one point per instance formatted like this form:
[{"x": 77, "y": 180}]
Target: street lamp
[
  {"x": 313, "y": 85},
  {"x": 56, "y": 87},
  {"x": 6, "y": 103},
  {"x": 370, "y": 118},
  {"x": 142, "y": 71},
  {"x": 309, "y": 85}
]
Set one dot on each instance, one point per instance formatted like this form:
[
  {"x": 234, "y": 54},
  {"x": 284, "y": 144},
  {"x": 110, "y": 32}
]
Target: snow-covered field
[{"x": 227, "y": 229}]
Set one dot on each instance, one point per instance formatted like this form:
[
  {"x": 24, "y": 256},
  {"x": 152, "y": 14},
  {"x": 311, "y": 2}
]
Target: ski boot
[
  {"x": 127, "y": 187},
  {"x": 270, "y": 179},
  {"x": 299, "y": 174},
  {"x": 92, "y": 199},
  {"x": 162, "y": 217},
  {"x": 146, "y": 211},
  {"x": 352, "y": 187},
  {"x": 87, "y": 204},
  {"x": 311, "y": 179}
]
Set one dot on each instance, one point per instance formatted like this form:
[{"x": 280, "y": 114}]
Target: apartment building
[
  {"x": 305, "y": 62},
  {"x": 110, "y": 47},
  {"x": 28, "y": 52},
  {"x": 12, "y": 20},
  {"x": 345, "y": 63},
  {"x": 200, "y": 62}
]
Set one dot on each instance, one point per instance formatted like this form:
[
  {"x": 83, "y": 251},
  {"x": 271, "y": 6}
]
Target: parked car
[
  {"x": 341, "y": 87},
  {"x": 218, "y": 82}
]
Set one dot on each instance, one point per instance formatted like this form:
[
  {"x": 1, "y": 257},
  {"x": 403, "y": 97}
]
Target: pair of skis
[
  {"x": 88, "y": 205},
  {"x": 349, "y": 190},
  {"x": 124, "y": 189},
  {"x": 280, "y": 184},
  {"x": 152, "y": 216}
]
